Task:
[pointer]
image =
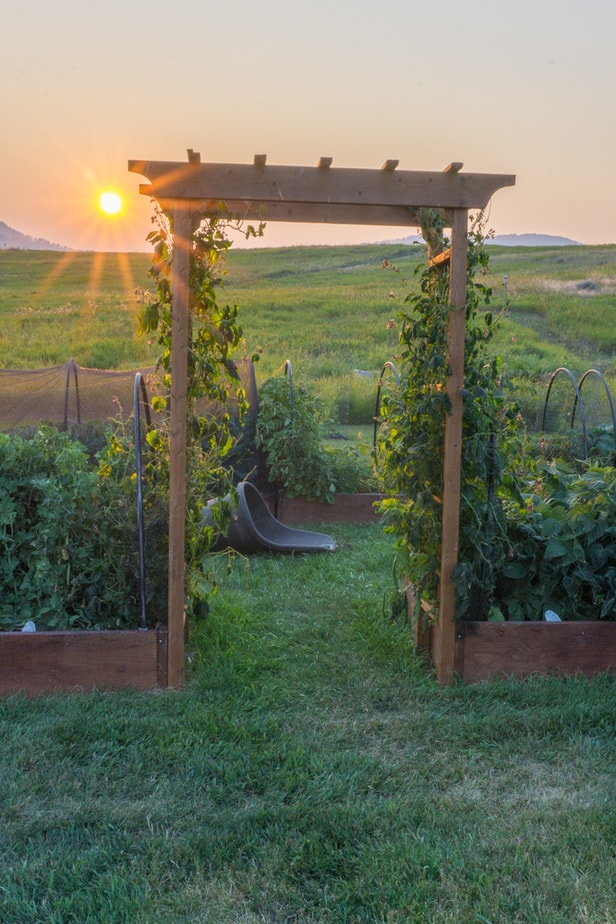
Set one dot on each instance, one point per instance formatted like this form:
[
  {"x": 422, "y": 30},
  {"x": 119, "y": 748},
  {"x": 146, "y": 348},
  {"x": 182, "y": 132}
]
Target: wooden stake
[{"x": 445, "y": 629}]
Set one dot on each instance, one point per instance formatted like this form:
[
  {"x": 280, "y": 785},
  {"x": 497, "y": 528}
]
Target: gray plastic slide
[{"x": 253, "y": 528}]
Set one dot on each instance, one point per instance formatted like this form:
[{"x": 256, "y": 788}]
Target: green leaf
[{"x": 555, "y": 549}]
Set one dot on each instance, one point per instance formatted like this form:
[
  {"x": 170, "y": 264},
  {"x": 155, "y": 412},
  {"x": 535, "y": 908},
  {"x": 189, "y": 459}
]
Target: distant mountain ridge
[
  {"x": 532, "y": 240},
  {"x": 508, "y": 240},
  {"x": 12, "y": 239}
]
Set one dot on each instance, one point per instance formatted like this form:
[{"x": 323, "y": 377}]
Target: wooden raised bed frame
[
  {"x": 50, "y": 662},
  {"x": 486, "y": 650}
]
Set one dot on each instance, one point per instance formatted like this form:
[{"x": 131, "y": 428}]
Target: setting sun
[{"x": 110, "y": 203}]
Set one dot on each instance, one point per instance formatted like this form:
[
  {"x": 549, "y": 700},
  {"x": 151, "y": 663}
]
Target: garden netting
[{"x": 70, "y": 394}]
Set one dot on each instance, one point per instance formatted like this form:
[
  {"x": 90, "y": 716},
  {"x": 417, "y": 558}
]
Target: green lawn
[{"x": 311, "y": 771}]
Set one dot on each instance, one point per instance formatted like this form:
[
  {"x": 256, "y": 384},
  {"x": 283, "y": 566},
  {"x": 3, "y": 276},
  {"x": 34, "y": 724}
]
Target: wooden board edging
[
  {"x": 346, "y": 508},
  {"x": 82, "y": 661},
  {"x": 486, "y": 650}
]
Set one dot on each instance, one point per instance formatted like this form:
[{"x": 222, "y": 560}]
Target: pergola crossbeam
[{"x": 269, "y": 186}]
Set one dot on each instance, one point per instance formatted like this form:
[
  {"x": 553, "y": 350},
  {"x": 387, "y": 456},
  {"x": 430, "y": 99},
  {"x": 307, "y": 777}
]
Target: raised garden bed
[
  {"x": 485, "y": 650},
  {"x": 49, "y": 662},
  {"x": 346, "y": 508}
]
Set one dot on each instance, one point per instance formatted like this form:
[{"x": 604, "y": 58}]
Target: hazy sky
[{"x": 525, "y": 88}]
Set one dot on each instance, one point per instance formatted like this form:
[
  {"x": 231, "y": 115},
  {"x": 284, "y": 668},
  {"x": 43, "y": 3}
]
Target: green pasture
[
  {"x": 54, "y": 306},
  {"x": 331, "y": 311}
]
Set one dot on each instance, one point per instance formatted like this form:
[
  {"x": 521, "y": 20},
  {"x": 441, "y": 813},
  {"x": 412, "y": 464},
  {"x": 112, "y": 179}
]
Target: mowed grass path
[{"x": 311, "y": 771}]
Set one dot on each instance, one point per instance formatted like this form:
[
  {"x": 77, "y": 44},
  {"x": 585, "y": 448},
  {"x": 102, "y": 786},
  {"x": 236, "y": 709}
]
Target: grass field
[{"x": 327, "y": 309}]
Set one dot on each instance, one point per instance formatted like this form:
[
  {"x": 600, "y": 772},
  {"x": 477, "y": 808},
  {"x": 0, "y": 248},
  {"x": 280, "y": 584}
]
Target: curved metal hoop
[
  {"x": 598, "y": 375},
  {"x": 578, "y": 399},
  {"x": 71, "y": 366},
  {"x": 289, "y": 371}
]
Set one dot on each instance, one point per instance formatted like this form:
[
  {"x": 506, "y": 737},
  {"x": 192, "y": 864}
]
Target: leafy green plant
[
  {"x": 562, "y": 545},
  {"x": 214, "y": 337},
  {"x": 69, "y": 528},
  {"x": 68, "y": 534},
  {"x": 412, "y": 439},
  {"x": 291, "y": 428},
  {"x": 289, "y": 431}
]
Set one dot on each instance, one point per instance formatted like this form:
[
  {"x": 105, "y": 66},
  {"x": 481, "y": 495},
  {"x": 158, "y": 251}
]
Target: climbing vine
[
  {"x": 215, "y": 337},
  {"x": 412, "y": 440}
]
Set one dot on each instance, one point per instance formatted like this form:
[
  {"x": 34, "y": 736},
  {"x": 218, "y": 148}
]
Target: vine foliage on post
[
  {"x": 411, "y": 442},
  {"x": 214, "y": 338}
]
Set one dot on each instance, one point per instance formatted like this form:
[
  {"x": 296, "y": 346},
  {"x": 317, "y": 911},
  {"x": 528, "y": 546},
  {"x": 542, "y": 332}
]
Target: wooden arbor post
[
  {"x": 321, "y": 194},
  {"x": 444, "y": 641},
  {"x": 183, "y": 226}
]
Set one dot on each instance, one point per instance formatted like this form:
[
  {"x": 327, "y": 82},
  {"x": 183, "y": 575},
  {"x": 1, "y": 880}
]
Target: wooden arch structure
[{"x": 190, "y": 191}]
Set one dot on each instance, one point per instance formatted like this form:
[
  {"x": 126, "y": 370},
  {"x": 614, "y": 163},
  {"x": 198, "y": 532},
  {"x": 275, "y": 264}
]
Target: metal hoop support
[
  {"x": 288, "y": 371},
  {"x": 71, "y": 366},
  {"x": 578, "y": 399},
  {"x": 598, "y": 375}
]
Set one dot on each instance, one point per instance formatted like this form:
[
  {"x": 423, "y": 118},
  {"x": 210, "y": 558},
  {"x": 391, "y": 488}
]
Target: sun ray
[
  {"x": 60, "y": 267},
  {"x": 126, "y": 271},
  {"x": 96, "y": 271}
]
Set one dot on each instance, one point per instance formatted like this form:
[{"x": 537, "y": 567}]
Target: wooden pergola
[{"x": 191, "y": 191}]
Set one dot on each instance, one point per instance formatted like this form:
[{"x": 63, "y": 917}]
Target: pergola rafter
[
  {"x": 321, "y": 194},
  {"x": 192, "y": 190}
]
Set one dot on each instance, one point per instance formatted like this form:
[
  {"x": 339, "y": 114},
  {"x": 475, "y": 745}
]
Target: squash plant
[{"x": 562, "y": 543}]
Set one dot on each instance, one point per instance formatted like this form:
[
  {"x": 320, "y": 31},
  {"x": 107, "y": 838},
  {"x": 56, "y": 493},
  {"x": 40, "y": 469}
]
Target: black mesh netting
[{"x": 70, "y": 394}]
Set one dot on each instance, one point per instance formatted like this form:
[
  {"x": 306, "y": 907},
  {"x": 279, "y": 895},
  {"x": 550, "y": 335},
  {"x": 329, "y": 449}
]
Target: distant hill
[
  {"x": 10, "y": 238},
  {"x": 507, "y": 240},
  {"x": 532, "y": 240}
]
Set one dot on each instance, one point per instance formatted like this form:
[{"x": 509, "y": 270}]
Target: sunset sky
[{"x": 525, "y": 88}]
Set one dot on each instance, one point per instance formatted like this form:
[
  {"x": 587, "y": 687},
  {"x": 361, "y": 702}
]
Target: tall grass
[
  {"x": 82, "y": 305},
  {"x": 331, "y": 310}
]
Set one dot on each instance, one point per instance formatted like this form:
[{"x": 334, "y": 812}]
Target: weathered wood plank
[
  {"x": 47, "y": 662},
  {"x": 445, "y": 630},
  {"x": 337, "y": 185},
  {"x": 183, "y": 226},
  {"x": 521, "y": 648},
  {"x": 347, "y": 508},
  {"x": 397, "y": 216}
]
